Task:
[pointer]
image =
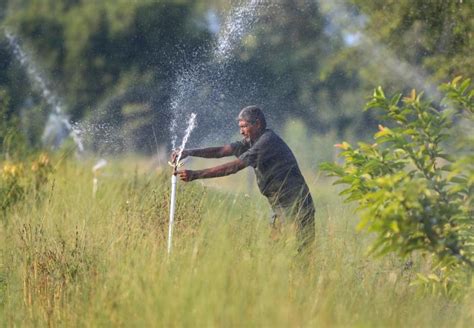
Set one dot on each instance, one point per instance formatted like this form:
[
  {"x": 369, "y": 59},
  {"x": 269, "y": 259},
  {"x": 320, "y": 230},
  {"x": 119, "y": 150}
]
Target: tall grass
[{"x": 71, "y": 260}]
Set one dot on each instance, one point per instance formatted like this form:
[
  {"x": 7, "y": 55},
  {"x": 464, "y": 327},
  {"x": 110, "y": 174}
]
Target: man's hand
[
  {"x": 187, "y": 175},
  {"x": 175, "y": 153}
]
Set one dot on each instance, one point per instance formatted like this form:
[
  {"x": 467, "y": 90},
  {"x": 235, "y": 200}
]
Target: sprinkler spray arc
[{"x": 56, "y": 117}]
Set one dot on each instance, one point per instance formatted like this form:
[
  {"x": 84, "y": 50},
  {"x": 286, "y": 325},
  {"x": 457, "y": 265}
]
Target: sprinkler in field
[
  {"x": 96, "y": 170},
  {"x": 177, "y": 164}
]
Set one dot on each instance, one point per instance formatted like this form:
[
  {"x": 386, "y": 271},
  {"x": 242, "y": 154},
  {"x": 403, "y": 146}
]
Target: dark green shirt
[{"x": 278, "y": 175}]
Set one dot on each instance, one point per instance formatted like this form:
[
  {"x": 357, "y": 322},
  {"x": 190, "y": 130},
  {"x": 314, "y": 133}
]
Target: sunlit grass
[{"x": 71, "y": 260}]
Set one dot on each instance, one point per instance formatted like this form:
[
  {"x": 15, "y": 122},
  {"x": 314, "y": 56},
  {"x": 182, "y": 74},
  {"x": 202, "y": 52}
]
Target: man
[{"x": 278, "y": 175}]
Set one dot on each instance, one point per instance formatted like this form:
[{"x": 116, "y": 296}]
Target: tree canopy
[{"x": 117, "y": 62}]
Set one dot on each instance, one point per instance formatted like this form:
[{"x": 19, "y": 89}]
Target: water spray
[
  {"x": 176, "y": 165},
  {"x": 57, "y": 119},
  {"x": 192, "y": 81},
  {"x": 202, "y": 86}
]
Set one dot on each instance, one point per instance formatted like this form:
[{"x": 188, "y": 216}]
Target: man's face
[{"x": 248, "y": 130}]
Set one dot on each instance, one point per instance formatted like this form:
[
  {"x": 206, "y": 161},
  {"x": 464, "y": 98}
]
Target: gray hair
[{"x": 251, "y": 114}]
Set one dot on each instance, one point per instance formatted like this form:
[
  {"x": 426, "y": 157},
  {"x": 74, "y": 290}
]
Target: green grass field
[{"x": 71, "y": 260}]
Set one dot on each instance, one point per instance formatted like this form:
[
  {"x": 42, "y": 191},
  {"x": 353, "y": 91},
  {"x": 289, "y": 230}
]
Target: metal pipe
[
  {"x": 176, "y": 164},
  {"x": 172, "y": 209}
]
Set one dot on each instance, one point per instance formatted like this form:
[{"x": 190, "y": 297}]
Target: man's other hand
[
  {"x": 175, "y": 153},
  {"x": 187, "y": 175}
]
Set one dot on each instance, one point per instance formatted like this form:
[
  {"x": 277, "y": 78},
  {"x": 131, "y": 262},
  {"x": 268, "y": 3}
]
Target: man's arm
[
  {"x": 211, "y": 152},
  {"x": 213, "y": 172}
]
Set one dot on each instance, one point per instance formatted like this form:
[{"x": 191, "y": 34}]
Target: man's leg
[
  {"x": 300, "y": 217},
  {"x": 276, "y": 223},
  {"x": 305, "y": 226}
]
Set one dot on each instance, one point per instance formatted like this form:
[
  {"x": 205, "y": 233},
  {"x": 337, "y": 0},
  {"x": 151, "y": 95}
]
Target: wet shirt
[{"x": 278, "y": 175}]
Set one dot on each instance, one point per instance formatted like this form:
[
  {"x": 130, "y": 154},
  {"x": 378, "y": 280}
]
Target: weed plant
[{"x": 69, "y": 259}]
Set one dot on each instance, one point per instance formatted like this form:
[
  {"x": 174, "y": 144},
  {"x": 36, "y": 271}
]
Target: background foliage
[
  {"x": 116, "y": 62},
  {"x": 412, "y": 192}
]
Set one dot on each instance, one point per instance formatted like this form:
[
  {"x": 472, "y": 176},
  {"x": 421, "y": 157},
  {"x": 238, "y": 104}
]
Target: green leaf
[
  {"x": 464, "y": 85},
  {"x": 395, "y": 99},
  {"x": 394, "y": 226},
  {"x": 332, "y": 167},
  {"x": 382, "y": 133},
  {"x": 456, "y": 80}
]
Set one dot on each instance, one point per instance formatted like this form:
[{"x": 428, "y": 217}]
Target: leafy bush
[
  {"x": 16, "y": 179},
  {"x": 414, "y": 186},
  {"x": 11, "y": 185}
]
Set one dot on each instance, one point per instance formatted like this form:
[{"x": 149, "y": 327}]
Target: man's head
[{"x": 252, "y": 122}]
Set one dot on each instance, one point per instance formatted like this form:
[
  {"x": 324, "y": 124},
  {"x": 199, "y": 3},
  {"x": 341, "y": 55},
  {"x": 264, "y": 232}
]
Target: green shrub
[
  {"x": 414, "y": 186},
  {"x": 12, "y": 188},
  {"x": 19, "y": 178}
]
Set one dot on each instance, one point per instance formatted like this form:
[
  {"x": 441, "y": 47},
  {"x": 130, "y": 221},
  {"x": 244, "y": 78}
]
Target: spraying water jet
[{"x": 57, "y": 122}]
